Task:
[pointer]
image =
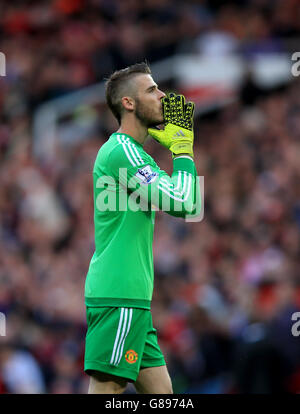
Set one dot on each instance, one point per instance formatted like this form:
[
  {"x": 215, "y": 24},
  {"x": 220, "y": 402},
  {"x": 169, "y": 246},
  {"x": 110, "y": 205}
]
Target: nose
[{"x": 161, "y": 94}]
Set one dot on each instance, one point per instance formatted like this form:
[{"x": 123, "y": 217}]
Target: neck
[{"x": 133, "y": 127}]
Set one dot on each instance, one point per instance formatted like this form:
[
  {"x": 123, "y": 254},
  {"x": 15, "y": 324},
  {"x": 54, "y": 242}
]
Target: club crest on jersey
[
  {"x": 131, "y": 356},
  {"x": 146, "y": 175}
]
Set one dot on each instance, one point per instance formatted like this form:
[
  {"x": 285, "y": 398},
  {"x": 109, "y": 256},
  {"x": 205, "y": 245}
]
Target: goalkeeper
[{"x": 121, "y": 342}]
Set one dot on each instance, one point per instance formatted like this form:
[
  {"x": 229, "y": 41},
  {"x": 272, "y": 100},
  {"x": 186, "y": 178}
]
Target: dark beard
[{"x": 144, "y": 116}]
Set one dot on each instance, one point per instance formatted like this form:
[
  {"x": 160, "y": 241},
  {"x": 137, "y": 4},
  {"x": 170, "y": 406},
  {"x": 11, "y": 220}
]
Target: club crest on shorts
[
  {"x": 131, "y": 356},
  {"x": 146, "y": 175}
]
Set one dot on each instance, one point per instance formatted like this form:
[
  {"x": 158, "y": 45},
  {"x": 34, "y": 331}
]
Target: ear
[{"x": 128, "y": 103}]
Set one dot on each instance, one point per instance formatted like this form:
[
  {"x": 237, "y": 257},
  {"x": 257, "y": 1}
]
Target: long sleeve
[{"x": 144, "y": 181}]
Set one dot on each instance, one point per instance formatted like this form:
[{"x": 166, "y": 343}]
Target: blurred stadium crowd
[{"x": 225, "y": 288}]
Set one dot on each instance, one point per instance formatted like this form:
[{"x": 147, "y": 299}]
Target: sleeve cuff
[{"x": 184, "y": 164}]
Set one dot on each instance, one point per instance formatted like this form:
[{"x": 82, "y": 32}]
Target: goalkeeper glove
[{"x": 178, "y": 135}]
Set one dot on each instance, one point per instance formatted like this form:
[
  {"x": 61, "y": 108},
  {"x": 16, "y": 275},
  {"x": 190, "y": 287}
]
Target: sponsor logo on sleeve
[{"x": 146, "y": 175}]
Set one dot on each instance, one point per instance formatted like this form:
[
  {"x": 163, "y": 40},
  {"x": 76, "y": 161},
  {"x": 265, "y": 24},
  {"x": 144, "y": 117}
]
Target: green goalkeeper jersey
[{"x": 128, "y": 188}]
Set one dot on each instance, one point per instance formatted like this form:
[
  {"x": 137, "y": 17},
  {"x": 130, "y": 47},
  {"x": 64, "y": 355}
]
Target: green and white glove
[{"x": 178, "y": 135}]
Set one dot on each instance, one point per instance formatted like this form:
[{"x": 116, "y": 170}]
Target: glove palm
[{"x": 178, "y": 135}]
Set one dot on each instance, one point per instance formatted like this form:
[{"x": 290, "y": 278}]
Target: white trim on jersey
[
  {"x": 134, "y": 157},
  {"x": 177, "y": 198},
  {"x": 117, "y": 336},
  {"x": 123, "y": 341},
  {"x": 169, "y": 186},
  {"x": 120, "y": 340}
]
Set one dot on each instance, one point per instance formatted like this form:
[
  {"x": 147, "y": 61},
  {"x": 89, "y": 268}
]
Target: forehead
[{"x": 144, "y": 81}]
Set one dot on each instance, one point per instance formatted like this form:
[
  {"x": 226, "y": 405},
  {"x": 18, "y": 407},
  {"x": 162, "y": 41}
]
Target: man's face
[{"x": 148, "y": 105}]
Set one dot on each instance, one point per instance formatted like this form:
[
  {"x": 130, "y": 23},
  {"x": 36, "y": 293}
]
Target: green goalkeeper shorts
[{"x": 121, "y": 341}]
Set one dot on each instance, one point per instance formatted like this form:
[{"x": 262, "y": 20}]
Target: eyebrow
[{"x": 152, "y": 87}]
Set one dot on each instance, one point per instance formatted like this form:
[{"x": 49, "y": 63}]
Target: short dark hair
[{"x": 117, "y": 84}]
